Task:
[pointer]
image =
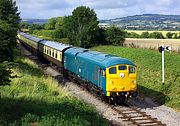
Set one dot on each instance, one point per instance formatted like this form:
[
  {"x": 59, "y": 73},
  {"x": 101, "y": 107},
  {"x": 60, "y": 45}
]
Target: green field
[
  {"x": 163, "y": 32},
  {"x": 149, "y": 73},
  {"x": 34, "y": 99}
]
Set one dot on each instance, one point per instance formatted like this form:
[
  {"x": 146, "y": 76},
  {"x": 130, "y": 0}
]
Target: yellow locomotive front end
[{"x": 121, "y": 82}]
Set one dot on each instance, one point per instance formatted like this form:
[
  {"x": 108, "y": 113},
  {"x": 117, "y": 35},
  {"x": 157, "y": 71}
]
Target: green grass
[
  {"x": 149, "y": 73},
  {"x": 34, "y": 99}
]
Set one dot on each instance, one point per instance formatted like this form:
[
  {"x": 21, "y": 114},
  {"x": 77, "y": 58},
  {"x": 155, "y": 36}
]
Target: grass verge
[
  {"x": 149, "y": 73},
  {"x": 34, "y": 99}
]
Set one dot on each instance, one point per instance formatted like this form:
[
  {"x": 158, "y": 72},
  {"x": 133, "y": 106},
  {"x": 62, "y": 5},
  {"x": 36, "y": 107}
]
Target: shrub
[{"x": 115, "y": 36}]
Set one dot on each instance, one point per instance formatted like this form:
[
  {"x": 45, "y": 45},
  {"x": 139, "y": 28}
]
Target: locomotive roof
[
  {"x": 33, "y": 38},
  {"x": 103, "y": 60},
  {"x": 55, "y": 45}
]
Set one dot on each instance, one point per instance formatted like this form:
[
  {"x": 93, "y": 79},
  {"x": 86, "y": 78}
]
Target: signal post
[{"x": 161, "y": 50}]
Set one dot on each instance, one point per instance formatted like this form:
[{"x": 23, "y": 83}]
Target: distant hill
[
  {"x": 35, "y": 21},
  {"x": 146, "y": 21},
  {"x": 139, "y": 22}
]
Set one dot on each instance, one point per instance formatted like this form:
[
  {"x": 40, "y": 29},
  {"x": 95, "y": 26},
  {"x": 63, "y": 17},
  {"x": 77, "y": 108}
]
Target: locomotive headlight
[{"x": 122, "y": 75}]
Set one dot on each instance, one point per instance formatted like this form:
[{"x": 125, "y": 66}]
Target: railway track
[{"x": 127, "y": 112}]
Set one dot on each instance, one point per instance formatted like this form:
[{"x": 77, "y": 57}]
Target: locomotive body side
[{"x": 79, "y": 62}]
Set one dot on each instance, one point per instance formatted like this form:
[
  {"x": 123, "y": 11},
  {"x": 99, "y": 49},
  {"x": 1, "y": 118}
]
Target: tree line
[{"x": 155, "y": 35}]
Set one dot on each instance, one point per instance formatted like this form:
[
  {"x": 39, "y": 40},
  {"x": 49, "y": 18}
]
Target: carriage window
[
  {"x": 49, "y": 51},
  {"x": 132, "y": 69},
  {"x": 122, "y": 68},
  {"x": 45, "y": 49},
  {"x": 56, "y": 55},
  {"x": 53, "y": 53},
  {"x": 112, "y": 70},
  {"x": 60, "y": 55}
]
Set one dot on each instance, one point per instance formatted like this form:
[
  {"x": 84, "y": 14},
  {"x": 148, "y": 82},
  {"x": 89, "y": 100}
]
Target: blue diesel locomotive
[{"x": 108, "y": 75}]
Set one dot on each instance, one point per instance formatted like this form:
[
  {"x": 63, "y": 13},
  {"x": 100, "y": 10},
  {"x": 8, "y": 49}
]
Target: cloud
[
  {"x": 105, "y": 4},
  {"x": 105, "y": 9},
  {"x": 43, "y": 8},
  {"x": 161, "y": 7}
]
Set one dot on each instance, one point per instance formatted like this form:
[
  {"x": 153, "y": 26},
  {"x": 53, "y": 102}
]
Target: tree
[
  {"x": 59, "y": 23},
  {"x": 9, "y": 24},
  {"x": 5, "y": 73},
  {"x": 145, "y": 35},
  {"x": 55, "y": 24},
  {"x": 68, "y": 29},
  {"x": 115, "y": 36},
  {"x": 24, "y": 25},
  {"x": 82, "y": 27},
  {"x": 59, "y": 26},
  {"x": 33, "y": 27},
  {"x": 50, "y": 25},
  {"x": 169, "y": 35},
  {"x": 101, "y": 36},
  {"x": 156, "y": 35},
  {"x": 134, "y": 35},
  {"x": 176, "y": 35}
]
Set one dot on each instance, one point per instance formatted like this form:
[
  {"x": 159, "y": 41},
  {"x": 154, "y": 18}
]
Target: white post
[{"x": 163, "y": 62}]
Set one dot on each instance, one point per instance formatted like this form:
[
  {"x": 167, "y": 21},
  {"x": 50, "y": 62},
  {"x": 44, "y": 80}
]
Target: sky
[{"x": 105, "y": 9}]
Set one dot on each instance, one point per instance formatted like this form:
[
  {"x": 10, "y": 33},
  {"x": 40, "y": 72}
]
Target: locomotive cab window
[
  {"x": 122, "y": 67},
  {"x": 112, "y": 70},
  {"x": 132, "y": 69}
]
